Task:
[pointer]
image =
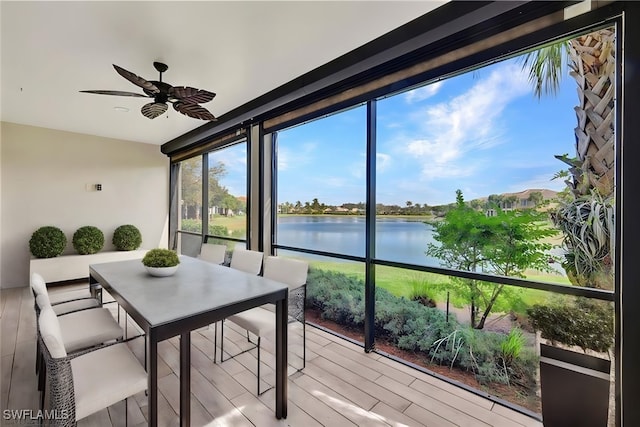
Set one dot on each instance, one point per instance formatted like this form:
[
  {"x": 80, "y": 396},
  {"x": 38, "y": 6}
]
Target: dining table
[{"x": 198, "y": 294}]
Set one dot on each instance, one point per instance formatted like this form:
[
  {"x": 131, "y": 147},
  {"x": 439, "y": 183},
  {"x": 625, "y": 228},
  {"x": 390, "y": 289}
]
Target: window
[
  {"x": 321, "y": 184},
  {"x": 485, "y": 136},
  {"x": 321, "y": 192},
  {"x": 227, "y": 205}
]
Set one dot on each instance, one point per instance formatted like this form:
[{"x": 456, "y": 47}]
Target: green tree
[
  {"x": 536, "y": 198},
  {"x": 315, "y": 206},
  {"x": 494, "y": 201},
  {"x": 217, "y": 192},
  {"x": 191, "y": 187},
  {"x": 510, "y": 202},
  {"x": 476, "y": 204},
  {"x": 506, "y": 245}
]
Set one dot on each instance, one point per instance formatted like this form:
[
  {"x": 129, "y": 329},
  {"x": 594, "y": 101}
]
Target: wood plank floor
[{"x": 340, "y": 385}]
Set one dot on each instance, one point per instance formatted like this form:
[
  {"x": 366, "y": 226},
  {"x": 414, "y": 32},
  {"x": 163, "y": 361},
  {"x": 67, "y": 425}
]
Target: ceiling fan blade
[
  {"x": 114, "y": 92},
  {"x": 191, "y": 94},
  {"x": 137, "y": 80},
  {"x": 193, "y": 110},
  {"x": 153, "y": 109}
]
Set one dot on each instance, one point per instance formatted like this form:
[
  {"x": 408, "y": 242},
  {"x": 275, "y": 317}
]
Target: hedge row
[
  {"x": 50, "y": 241},
  {"x": 411, "y": 326}
]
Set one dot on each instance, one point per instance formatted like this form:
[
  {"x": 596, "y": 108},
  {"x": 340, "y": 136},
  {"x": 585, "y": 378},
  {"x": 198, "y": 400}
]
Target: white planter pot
[{"x": 162, "y": 271}]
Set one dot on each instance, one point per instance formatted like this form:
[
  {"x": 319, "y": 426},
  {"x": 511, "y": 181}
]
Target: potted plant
[
  {"x": 574, "y": 385},
  {"x": 161, "y": 262},
  {"x": 127, "y": 238},
  {"x": 47, "y": 242},
  {"x": 88, "y": 240}
]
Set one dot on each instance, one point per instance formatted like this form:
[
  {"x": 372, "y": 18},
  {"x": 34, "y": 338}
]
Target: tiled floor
[{"x": 340, "y": 386}]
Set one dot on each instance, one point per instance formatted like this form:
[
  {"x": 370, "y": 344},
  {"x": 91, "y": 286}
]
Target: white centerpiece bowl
[{"x": 162, "y": 271}]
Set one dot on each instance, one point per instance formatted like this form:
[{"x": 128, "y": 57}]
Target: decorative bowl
[{"x": 162, "y": 271}]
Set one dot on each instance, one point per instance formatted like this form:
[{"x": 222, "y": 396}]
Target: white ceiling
[{"x": 240, "y": 50}]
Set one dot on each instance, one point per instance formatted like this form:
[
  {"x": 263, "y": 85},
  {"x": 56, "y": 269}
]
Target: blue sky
[{"x": 483, "y": 132}]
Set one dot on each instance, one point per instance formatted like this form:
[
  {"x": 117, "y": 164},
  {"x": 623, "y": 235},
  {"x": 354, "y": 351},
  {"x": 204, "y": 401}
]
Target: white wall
[
  {"x": 1, "y": 207},
  {"x": 44, "y": 174}
]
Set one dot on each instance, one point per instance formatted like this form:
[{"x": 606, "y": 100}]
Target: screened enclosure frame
[
  {"x": 510, "y": 29},
  {"x": 239, "y": 137},
  {"x": 370, "y": 260}
]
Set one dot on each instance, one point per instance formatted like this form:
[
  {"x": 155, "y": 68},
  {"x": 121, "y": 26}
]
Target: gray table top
[{"x": 196, "y": 287}]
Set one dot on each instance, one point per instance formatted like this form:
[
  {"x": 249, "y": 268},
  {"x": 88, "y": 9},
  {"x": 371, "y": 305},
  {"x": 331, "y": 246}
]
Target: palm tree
[
  {"x": 592, "y": 63},
  {"x": 586, "y": 221}
]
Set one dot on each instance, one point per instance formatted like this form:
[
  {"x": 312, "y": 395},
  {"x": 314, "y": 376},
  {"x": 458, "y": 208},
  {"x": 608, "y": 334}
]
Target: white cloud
[
  {"x": 422, "y": 93},
  {"x": 383, "y": 162},
  {"x": 359, "y": 168},
  {"x": 288, "y": 159},
  {"x": 234, "y": 159},
  {"x": 334, "y": 181},
  {"x": 470, "y": 121}
]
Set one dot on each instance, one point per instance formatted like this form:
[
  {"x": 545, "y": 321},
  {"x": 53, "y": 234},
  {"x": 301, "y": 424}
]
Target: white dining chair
[
  {"x": 244, "y": 260},
  {"x": 85, "y": 328},
  {"x": 247, "y": 260},
  {"x": 81, "y": 329},
  {"x": 260, "y": 320},
  {"x": 63, "y": 302},
  {"x": 85, "y": 382},
  {"x": 213, "y": 253}
]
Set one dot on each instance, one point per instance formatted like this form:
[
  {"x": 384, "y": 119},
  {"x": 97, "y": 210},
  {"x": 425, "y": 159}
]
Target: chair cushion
[
  {"x": 57, "y": 297},
  {"x": 291, "y": 272},
  {"x": 213, "y": 253},
  {"x": 38, "y": 284},
  {"x": 247, "y": 261},
  {"x": 87, "y": 328},
  {"x": 81, "y": 304},
  {"x": 43, "y": 301},
  {"x": 104, "y": 377},
  {"x": 257, "y": 320},
  {"x": 51, "y": 334},
  {"x": 67, "y": 307}
]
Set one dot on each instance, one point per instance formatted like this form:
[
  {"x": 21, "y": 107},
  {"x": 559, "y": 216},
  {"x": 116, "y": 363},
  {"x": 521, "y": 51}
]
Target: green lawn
[
  {"x": 233, "y": 223},
  {"x": 401, "y": 282}
]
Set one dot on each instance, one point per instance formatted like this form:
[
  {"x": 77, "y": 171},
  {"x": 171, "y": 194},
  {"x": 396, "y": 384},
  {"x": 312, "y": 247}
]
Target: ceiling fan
[{"x": 185, "y": 99}]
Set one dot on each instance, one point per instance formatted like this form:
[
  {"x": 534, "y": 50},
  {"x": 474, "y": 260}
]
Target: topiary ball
[
  {"x": 127, "y": 238},
  {"x": 88, "y": 240},
  {"x": 160, "y": 258},
  {"x": 47, "y": 242}
]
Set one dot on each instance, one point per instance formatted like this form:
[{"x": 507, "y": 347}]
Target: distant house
[{"x": 526, "y": 199}]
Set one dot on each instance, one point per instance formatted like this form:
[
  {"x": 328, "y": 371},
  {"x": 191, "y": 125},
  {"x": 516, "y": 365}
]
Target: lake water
[{"x": 396, "y": 239}]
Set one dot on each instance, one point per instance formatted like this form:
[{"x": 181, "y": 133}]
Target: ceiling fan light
[{"x": 153, "y": 109}]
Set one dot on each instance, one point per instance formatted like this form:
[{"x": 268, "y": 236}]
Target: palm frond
[{"x": 544, "y": 67}]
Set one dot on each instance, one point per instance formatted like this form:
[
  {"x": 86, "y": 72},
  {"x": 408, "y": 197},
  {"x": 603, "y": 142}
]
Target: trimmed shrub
[
  {"x": 127, "y": 238},
  {"x": 218, "y": 230},
  {"x": 88, "y": 240},
  {"x": 411, "y": 326},
  {"x": 586, "y": 324},
  {"x": 195, "y": 225},
  {"x": 160, "y": 258},
  {"x": 47, "y": 242}
]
